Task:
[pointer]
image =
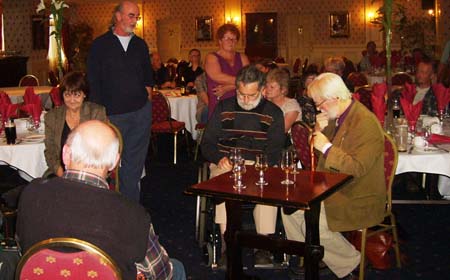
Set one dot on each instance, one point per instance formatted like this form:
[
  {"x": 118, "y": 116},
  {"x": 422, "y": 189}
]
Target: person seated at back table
[
  {"x": 59, "y": 121},
  {"x": 307, "y": 105},
  {"x": 234, "y": 124},
  {"x": 277, "y": 86},
  {"x": 81, "y": 206},
  {"x": 265, "y": 65},
  {"x": 350, "y": 140},
  {"x": 160, "y": 72},
  {"x": 425, "y": 74},
  {"x": 371, "y": 50},
  {"x": 336, "y": 65},
  {"x": 194, "y": 69}
]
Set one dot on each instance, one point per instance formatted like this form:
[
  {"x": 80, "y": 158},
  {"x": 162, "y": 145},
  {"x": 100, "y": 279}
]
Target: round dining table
[{"x": 183, "y": 108}]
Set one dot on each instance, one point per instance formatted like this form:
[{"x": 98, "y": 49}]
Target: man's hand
[
  {"x": 320, "y": 140},
  {"x": 225, "y": 164},
  {"x": 321, "y": 121}
]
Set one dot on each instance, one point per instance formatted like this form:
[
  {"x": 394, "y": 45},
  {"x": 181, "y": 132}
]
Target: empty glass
[
  {"x": 286, "y": 165},
  {"x": 261, "y": 165},
  {"x": 238, "y": 170}
]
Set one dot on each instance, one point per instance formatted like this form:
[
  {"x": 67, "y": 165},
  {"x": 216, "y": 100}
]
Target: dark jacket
[{"x": 62, "y": 208}]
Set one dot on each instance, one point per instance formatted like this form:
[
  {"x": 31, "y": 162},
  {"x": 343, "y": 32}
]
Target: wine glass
[
  {"x": 295, "y": 160},
  {"x": 261, "y": 165},
  {"x": 238, "y": 170},
  {"x": 286, "y": 166},
  {"x": 234, "y": 156}
]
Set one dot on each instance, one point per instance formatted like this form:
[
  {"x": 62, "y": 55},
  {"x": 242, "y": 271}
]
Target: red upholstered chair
[
  {"x": 390, "y": 165},
  {"x": 162, "y": 122},
  {"x": 301, "y": 135},
  {"x": 279, "y": 59},
  {"x": 365, "y": 93},
  {"x": 83, "y": 261},
  {"x": 29, "y": 81},
  {"x": 56, "y": 97},
  {"x": 400, "y": 78},
  {"x": 357, "y": 79}
]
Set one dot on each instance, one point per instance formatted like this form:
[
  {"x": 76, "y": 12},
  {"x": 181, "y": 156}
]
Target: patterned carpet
[{"x": 424, "y": 229}]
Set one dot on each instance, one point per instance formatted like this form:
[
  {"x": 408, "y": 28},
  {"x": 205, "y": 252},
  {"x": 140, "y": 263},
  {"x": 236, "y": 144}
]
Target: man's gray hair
[
  {"x": 328, "y": 86},
  {"x": 92, "y": 152},
  {"x": 250, "y": 74},
  {"x": 117, "y": 8}
]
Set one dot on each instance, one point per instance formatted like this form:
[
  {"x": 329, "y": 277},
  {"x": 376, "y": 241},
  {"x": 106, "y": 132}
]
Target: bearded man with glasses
[
  {"x": 120, "y": 78},
  {"x": 255, "y": 125}
]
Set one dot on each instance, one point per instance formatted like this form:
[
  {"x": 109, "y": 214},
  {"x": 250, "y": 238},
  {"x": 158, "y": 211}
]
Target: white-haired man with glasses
[
  {"x": 253, "y": 124},
  {"x": 350, "y": 140}
]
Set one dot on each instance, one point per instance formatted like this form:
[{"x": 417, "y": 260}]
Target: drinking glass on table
[
  {"x": 261, "y": 165},
  {"x": 286, "y": 166},
  {"x": 238, "y": 170},
  {"x": 234, "y": 156},
  {"x": 295, "y": 160}
]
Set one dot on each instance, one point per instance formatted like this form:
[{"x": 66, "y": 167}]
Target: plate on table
[{"x": 35, "y": 138}]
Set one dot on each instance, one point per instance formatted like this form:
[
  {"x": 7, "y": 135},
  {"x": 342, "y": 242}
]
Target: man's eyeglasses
[
  {"x": 133, "y": 16},
  {"x": 76, "y": 94}
]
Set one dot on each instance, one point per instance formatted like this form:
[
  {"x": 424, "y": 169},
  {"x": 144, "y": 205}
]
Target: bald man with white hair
[{"x": 80, "y": 205}]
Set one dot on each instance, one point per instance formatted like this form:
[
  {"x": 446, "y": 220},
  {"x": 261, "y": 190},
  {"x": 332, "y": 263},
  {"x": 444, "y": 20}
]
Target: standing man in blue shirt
[{"x": 120, "y": 78}]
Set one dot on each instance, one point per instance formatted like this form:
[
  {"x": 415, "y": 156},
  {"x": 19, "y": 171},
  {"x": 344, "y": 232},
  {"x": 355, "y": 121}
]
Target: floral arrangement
[{"x": 56, "y": 8}]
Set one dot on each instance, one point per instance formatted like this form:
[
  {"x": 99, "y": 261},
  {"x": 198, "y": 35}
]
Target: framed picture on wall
[
  {"x": 203, "y": 29},
  {"x": 340, "y": 24}
]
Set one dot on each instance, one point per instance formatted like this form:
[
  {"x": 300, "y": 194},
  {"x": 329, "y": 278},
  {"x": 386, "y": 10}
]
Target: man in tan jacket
[{"x": 351, "y": 141}]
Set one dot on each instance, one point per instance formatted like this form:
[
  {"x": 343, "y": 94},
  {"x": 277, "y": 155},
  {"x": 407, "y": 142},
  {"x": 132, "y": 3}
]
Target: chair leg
[
  {"x": 175, "y": 148},
  {"x": 363, "y": 254},
  {"x": 396, "y": 247},
  {"x": 198, "y": 142}
]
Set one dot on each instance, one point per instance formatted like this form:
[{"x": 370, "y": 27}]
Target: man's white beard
[{"x": 249, "y": 106}]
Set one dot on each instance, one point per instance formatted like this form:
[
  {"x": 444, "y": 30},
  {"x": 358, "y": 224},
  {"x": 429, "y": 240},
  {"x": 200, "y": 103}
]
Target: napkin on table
[
  {"x": 4, "y": 98},
  {"x": 34, "y": 110},
  {"x": 8, "y": 111},
  {"x": 438, "y": 139},
  {"x": 378, "y": 100},
  {"x": 56, "y": 97},
  {"x": 30, "y": 97},
  {"x": 442, "y": 95},
  {"x": 412, "y": 112}
]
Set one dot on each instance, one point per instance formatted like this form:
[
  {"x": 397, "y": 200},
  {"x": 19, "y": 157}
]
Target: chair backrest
[
  {"x": 160, "y": 108},
  {"x": 390, "y": 165},
  {"x": 114, "y": 174},
  {"x": 399, "y": 79},
  {"x": 79, "y": 260},
  {"x": 301, "y": 135},
  {"x": 357, "y": 79},
  {"x": 365, "y": 94},
  {"x": 29, "y": 81}
]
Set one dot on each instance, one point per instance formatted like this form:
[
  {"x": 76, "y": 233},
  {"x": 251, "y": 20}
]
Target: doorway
[{"x": 261, "y": 35}]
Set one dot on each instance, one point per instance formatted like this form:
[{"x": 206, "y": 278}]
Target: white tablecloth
[
  {"x": 183, "y": 109},
  {"x": 27, "y": 157}
]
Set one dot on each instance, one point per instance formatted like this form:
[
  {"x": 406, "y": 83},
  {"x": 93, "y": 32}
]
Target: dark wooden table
[{"x": 309, "y": 190}]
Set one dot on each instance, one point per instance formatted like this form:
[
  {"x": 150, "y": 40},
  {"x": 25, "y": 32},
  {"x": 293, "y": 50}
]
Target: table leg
[
  {"x": 234, "y": 251},
  {"x": 313, "y": 250}
]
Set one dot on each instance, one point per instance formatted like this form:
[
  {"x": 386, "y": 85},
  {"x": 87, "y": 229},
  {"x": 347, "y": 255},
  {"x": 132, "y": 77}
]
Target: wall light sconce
[
  {"x": 233, "y": 19},
  {"x": 430, "y": 12},
  {"x": 370, "y": 16}
]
